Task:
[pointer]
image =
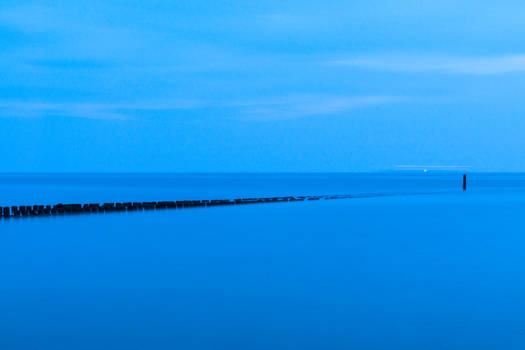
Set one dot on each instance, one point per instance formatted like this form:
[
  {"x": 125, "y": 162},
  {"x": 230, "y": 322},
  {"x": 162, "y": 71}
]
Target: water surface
[{"x": 436, "y": 271}]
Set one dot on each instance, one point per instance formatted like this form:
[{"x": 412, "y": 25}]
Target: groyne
[{"x": 91, "y": 208}]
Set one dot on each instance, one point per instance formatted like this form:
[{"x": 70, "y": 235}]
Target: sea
[{"x": 412, "y": 262}]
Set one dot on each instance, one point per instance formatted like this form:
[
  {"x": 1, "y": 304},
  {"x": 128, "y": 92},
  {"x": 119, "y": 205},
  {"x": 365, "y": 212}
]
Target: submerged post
[{"x": 464, "y": 182}]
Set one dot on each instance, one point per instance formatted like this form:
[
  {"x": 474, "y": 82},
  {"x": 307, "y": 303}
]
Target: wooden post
[{"x": 464, "y": 182}]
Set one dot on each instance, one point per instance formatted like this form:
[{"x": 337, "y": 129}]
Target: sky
[{"x": 261, "y": 86}]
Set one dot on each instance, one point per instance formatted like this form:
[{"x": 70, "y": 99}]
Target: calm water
[{"x": 436, "y": 271}]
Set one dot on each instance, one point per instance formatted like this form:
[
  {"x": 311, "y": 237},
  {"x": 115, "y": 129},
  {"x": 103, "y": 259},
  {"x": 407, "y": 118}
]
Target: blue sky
[{"x": 261, "y": 86}]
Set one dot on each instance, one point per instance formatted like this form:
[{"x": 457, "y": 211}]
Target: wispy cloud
[
  {"x": 86, "y": 110},
  {"x": 481, "y": 65},
  {"x": 311, "y": 105},
  {"x": 290, "y": 107},
  {"x": 69, "y": 33}
]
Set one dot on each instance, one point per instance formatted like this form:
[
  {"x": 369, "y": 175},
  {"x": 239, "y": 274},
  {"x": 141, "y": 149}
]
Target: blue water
[{"x": 429, "y": 268}]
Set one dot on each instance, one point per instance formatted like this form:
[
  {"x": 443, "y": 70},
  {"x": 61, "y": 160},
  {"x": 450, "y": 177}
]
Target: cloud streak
[
  {"x": 290, "y": 107},
  {"x": 86, "y": 110},
  {"x": 294, "y": 107},
  {"x": 439, "y": 63}
]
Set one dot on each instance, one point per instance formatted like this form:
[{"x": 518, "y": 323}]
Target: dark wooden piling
[
  {"x": 464, "y": 182},
  {"x": 92, "y": 208}
]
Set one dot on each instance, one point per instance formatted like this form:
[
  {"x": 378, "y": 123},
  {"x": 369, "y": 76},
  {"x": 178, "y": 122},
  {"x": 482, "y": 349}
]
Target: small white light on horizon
[{"x": 427, "y": 167}]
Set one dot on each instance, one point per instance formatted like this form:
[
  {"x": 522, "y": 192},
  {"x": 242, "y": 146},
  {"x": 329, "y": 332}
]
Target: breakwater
[{"x": 91, "y": 208}]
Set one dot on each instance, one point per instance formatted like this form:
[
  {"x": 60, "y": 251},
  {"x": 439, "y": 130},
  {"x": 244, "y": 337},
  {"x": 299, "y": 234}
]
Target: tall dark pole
[{"x": 464, "y": 182}]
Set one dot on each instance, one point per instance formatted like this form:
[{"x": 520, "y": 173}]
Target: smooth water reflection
[{"x": 409, "y": 272}]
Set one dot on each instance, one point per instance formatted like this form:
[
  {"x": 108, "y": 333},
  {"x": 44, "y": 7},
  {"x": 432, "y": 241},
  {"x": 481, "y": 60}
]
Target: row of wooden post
[{"x": 64, "y": 209}]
